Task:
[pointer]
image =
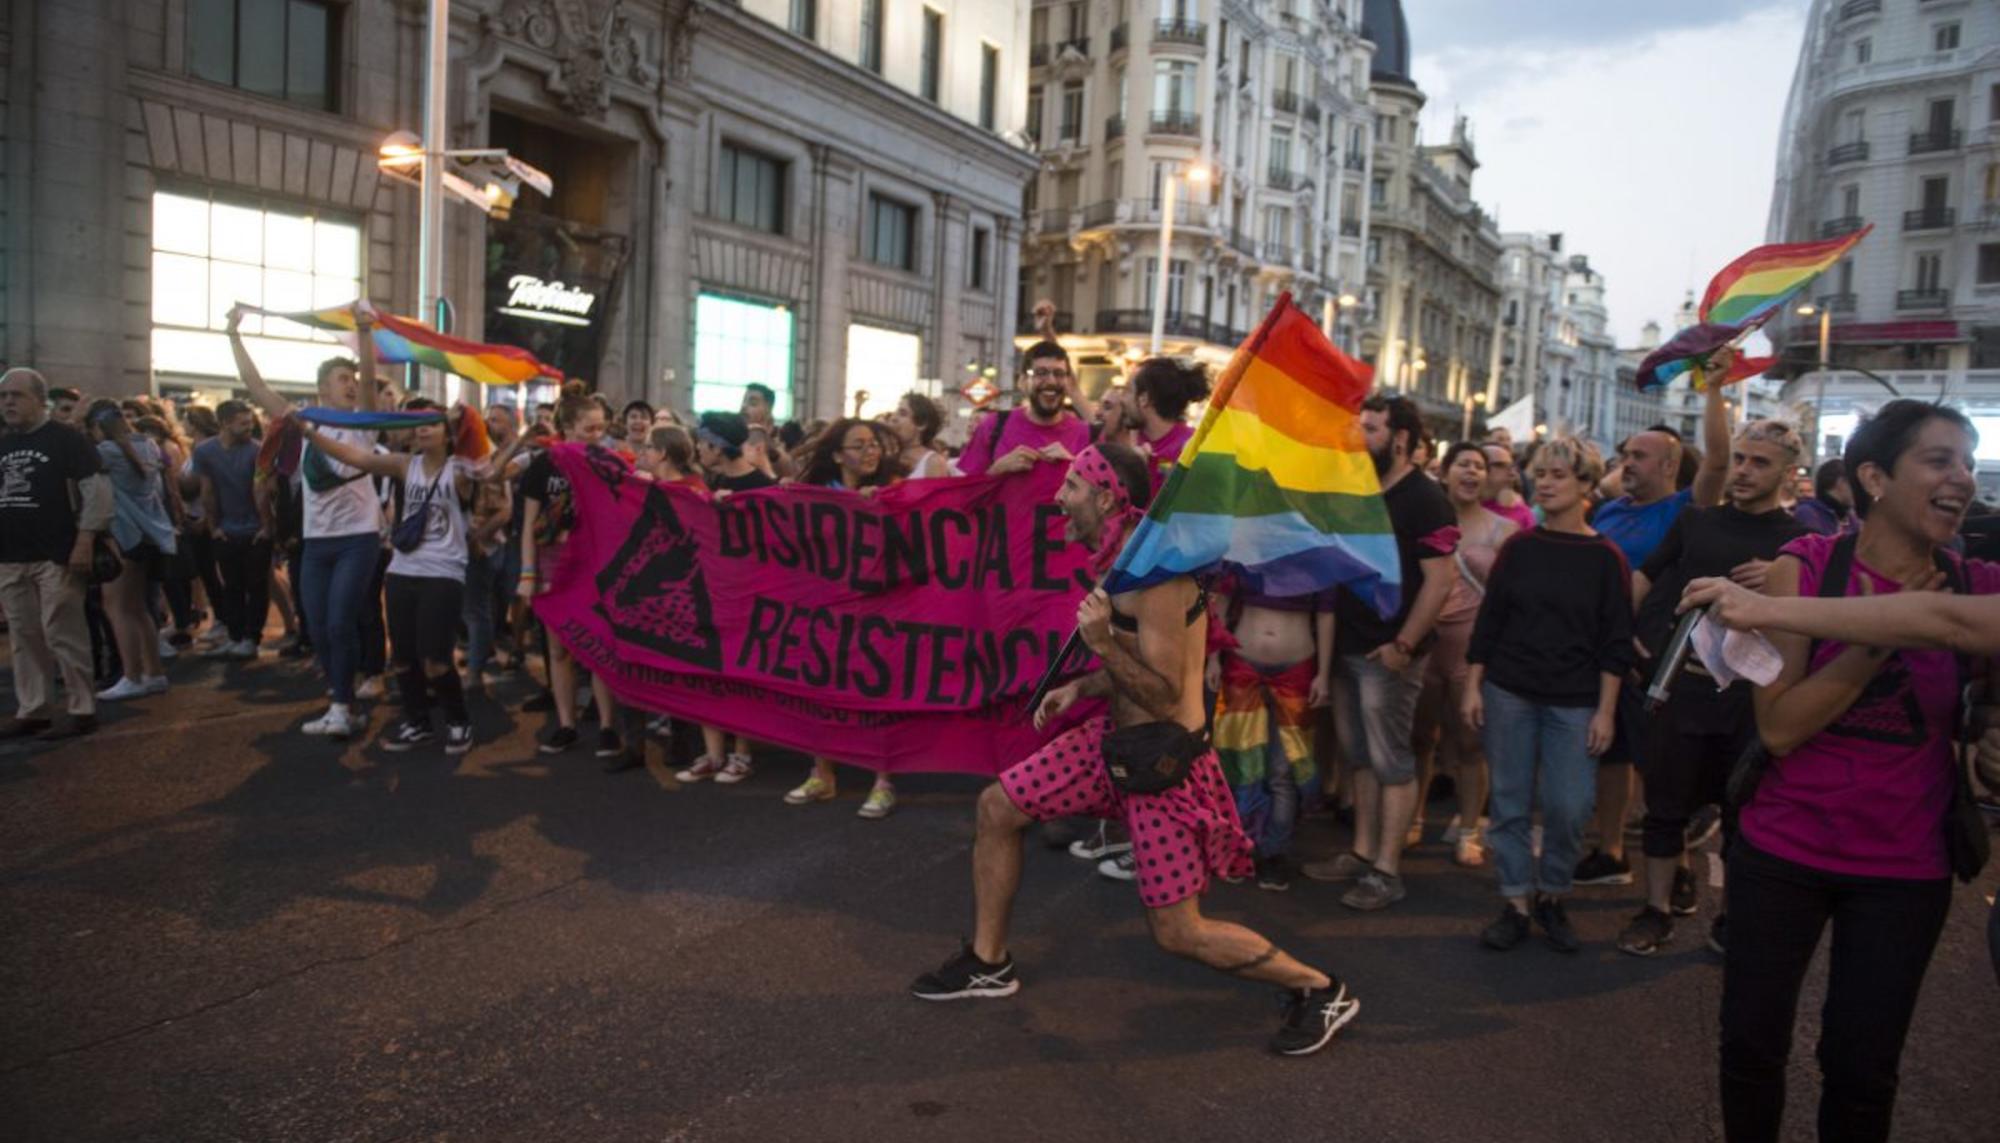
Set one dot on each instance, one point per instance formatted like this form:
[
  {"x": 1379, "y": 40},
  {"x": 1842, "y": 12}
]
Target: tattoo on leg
[{"x": 1269, "y": 954}]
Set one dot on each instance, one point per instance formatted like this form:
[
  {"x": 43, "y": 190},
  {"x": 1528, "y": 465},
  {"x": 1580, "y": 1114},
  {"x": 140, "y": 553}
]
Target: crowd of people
[{"x": 1540, "y": 588}]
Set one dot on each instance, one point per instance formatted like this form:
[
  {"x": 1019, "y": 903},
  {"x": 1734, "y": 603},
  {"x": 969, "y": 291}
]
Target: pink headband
[{"x": 1097, "y": 472}]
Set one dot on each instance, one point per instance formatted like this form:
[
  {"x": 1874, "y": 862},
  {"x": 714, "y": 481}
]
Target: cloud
[
  {"x": 1652, "y": 153},
  {"x": 1440, "y": 25}
]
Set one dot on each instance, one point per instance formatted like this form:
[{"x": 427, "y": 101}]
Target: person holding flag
[{"x": 1275, "y": 481}]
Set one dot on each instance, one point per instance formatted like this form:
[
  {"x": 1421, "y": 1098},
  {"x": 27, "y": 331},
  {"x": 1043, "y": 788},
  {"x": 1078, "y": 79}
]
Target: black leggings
[
  {"x": 1884, "y": 932},
  {"x": 423, "y": 626}
]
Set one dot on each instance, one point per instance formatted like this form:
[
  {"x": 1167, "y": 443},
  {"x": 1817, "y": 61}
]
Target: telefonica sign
[{"x": 530, "y": 297}]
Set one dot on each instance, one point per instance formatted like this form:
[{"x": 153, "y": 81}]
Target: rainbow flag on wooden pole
[{"x": 401, "y": 341}]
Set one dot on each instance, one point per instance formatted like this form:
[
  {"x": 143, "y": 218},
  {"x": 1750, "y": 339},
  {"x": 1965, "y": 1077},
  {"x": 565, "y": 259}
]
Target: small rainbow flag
[
  {"x": 1276, "y": 479},
  {"x": 401, "y": 340},
  {"x": 1746, "y": 294}
]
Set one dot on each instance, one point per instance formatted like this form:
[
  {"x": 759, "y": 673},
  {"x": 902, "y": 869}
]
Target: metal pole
[
  {"x": 430, "y": 217},
  {"x": 1819, "y": 397},
  {"x": 1327, "y": 315},
  {"x": 1164, "y": 260}
]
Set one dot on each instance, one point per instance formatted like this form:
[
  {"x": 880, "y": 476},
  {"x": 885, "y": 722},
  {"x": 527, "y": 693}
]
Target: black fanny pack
[{"x": 1152, "y": 757}]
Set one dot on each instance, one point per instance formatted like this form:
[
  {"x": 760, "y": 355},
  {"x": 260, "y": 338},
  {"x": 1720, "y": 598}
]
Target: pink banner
[{"x": 900, "y": 632}]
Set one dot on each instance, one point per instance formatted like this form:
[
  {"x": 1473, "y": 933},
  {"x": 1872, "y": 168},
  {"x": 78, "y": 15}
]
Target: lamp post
[
  {"x": 1330, "y": 315},
  {"x": 1197, "y": 175},
  {"x": 1824, "y": 364}
]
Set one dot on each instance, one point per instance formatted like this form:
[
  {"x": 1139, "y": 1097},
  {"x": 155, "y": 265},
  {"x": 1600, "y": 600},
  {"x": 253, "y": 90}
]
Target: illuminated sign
[{"x": 530, "y": 297}]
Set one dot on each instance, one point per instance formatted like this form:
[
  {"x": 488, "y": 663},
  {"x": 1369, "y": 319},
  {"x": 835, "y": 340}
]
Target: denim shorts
[{"x": 1374, "y": 709}]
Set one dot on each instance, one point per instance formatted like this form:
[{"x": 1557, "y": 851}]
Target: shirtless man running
[{"x": 1152, "y": 643}]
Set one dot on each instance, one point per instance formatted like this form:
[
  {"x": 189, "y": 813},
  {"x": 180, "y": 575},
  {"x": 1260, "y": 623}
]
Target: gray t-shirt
[{"x": 233, "y": 471}]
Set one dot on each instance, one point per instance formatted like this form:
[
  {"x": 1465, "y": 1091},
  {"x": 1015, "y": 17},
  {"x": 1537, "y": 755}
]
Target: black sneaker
[
  {"x": 1311, "y": 1019},
  {"x": 558, "y": 740},
  {"x": 407, "y": 735},
  {"x": 540, "y": 704},
  {"x": 457, "y": 737},
  {"x": 1274, "y": 873},
  {"x": 1685, "y": 897},
  {"x": 1705, "y": 824},
  {"x": 966, "y": 977},
  {"x": 1554, "y": 920},
  {"x": 609, "y": 745},
  {"x": 76, "y": 727},
  {"x": 1718, "y": 935},
  {"x": 1647, "y": 932},
  {"x": 1598, "y": 869},
  {"x": 1510, "y": 930},
  {"x": 24, "y": 727}
]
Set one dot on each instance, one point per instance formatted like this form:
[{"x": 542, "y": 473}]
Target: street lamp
[
  {"x": 1330, "y": 316},
  {"x": 1196, "y": 175}
]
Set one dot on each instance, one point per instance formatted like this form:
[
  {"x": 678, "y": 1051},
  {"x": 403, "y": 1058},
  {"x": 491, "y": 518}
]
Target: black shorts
[
  {"x": 423, "y": 614},
  {"x": 147, "y": 556},
  {"x": 1632, "y": 727},
  {"x": 1696, "y": 740}
]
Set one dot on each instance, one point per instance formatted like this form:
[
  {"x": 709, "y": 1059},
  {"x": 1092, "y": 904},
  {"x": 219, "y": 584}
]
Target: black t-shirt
[
  {"x": 544, "y": 483},
  {"x": 1426, "y": 527},
  {"x": 1706, "y": 542},
  {"x": 748, "y": 482},
  {"x": 37, "y": 515}
]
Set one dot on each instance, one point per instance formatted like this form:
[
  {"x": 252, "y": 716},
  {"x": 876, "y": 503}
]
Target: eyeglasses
[
  {"x": 864, "y": 446},
  {"x": 1049, "y": 374}
]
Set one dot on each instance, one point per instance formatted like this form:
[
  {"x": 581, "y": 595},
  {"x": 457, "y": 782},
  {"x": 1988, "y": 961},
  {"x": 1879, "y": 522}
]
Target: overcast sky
[{"x": 1585, "y": 113}]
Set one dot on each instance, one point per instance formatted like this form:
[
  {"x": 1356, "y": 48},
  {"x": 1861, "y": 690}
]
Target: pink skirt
[{"x": 1179, "y": 838}]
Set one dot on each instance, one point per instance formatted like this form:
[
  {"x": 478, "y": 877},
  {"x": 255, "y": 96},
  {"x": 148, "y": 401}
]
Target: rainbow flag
[
  {"x": 1276, "y": 479},
  {"x": 1746, "y": 294},
  {"x": 400, "y": 340}
]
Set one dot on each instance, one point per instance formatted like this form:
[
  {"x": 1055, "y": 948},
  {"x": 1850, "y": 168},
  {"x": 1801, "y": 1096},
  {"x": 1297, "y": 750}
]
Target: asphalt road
[{"x": 215, "y": 928}]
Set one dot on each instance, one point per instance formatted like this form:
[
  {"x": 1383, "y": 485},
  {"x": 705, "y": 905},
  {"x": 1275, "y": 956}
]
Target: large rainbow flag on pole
[
  {"x": 1747, "y": 293},
  {"x": 401, "y": 340},
  {"x": 1276, "y": 480}
]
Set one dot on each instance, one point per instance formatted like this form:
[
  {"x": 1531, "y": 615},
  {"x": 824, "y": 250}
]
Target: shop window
[
  {"x": 736, "y": 342},
  {"x": 892, "y": 232},
  {"x": 882, "y": 365},
  {"x": 209, "y": 254},
  {"x": 750, "y": 189},
  {"x": 281, "y": 49}
]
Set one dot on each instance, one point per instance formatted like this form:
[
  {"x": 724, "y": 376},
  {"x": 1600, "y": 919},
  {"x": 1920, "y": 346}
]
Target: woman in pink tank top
[{"x": 1439, "y": 725}]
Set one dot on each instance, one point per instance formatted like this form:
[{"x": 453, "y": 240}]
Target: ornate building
[
  {"x": 1263, "y": 101},
  {"x": 808, "y": 194},
  {"x": 1433, "y": 255}
]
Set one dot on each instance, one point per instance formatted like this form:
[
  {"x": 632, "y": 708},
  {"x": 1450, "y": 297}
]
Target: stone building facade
[{"x": 820, "y": 196}]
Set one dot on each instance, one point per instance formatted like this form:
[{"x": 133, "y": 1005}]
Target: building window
[
  {"x": 737, "y": 342},
  {"x": 1864, "y": 50},
  {"x": 208, "y": 254},
  {"x": 1378, "y": 192},
  {"x": 1072, "y": 112},
  {"x": 805, "y": 18},
  {"x": 283, "y": 49},
  {"x": 1993, "y": 103},
  {"x": 871, "y": 35},
  {"x": 976, "y": 268},
  {"x": 933, "y": 55},
  {"x": 1034, "y": 126},
  {"x": 1989, "y": 264},
  {"x": 1281, "y": 152},
  {"x": 1930, "y": 272},
  {"x": 1945, "y": 37},
  {"x": 892, "y": 231},
  {"x": 750, "y": 189},
  {"x": 989, "y": 85},
  {"x": 1173, "y": 88},
  {"x": 1176, "y": 285}
]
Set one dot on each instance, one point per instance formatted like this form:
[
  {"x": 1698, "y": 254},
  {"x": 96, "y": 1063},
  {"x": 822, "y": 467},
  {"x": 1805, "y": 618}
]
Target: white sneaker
[
  {"x": 335, "y": 723},
  {"x": 167, "y": 649},
  {"x": 702, "y": 767},
  {"x": 155, "y": 685},
  {"x": 125, "y": 688},
  {"x": 734, "y": 770},
  {"x": 245, "y": 649},
  {"x": 370, "y": 688}
]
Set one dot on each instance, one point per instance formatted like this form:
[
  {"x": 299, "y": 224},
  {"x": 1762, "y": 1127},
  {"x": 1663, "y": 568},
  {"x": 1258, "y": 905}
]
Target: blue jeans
[
  {"x": 1526, "y": 741},
  {"x": 480, "y": 573},
  {"x": 334, "y": 575}
]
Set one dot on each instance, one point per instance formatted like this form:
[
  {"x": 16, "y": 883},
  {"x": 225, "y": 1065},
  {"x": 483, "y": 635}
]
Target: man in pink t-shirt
[{"x": 1012, "y": 440}]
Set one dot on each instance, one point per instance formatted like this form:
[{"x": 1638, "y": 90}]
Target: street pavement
[{"x": 217, "y": 929}]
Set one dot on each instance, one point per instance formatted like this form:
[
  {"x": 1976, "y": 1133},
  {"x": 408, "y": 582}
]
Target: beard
[
  {"x": 1384, "y": 459},
  {"x": 1047, "y": 402}
]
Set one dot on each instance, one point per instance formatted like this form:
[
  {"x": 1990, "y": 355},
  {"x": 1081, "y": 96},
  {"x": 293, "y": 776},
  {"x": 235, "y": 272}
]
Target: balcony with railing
[
  {"x": 1278, "y": 253},
  {"x": 1855, "y": 9},
  {"x": 1114, "y": 128},
  {"x": 1175, "y": 123},
  {"x": 1285, "y": 101},
  {"x": 1100, "y": 213},
  {"x": 1855, "y": 152},
  {"x": 1350, "y": 228},
  {"x": 1923, "y": 299},
  {"x": 1176, "y": 325},
  {"x": 1243, "y": 243},
  {"x": 1278, "y": 178},
  {"x": 1932, "y": 142},
  {"x": 1835, "y": 303},
  {"x": 1180, "y": 32},
  {"x": 1052, "y": 220},
  {"x": 1930, "y": 218},
  {"x": 1835, "y": 227}
]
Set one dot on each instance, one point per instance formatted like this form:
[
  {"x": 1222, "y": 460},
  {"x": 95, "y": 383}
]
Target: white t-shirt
[
  {"x": 435, "y": 495},
  {"x": 350, "y": 509}
]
